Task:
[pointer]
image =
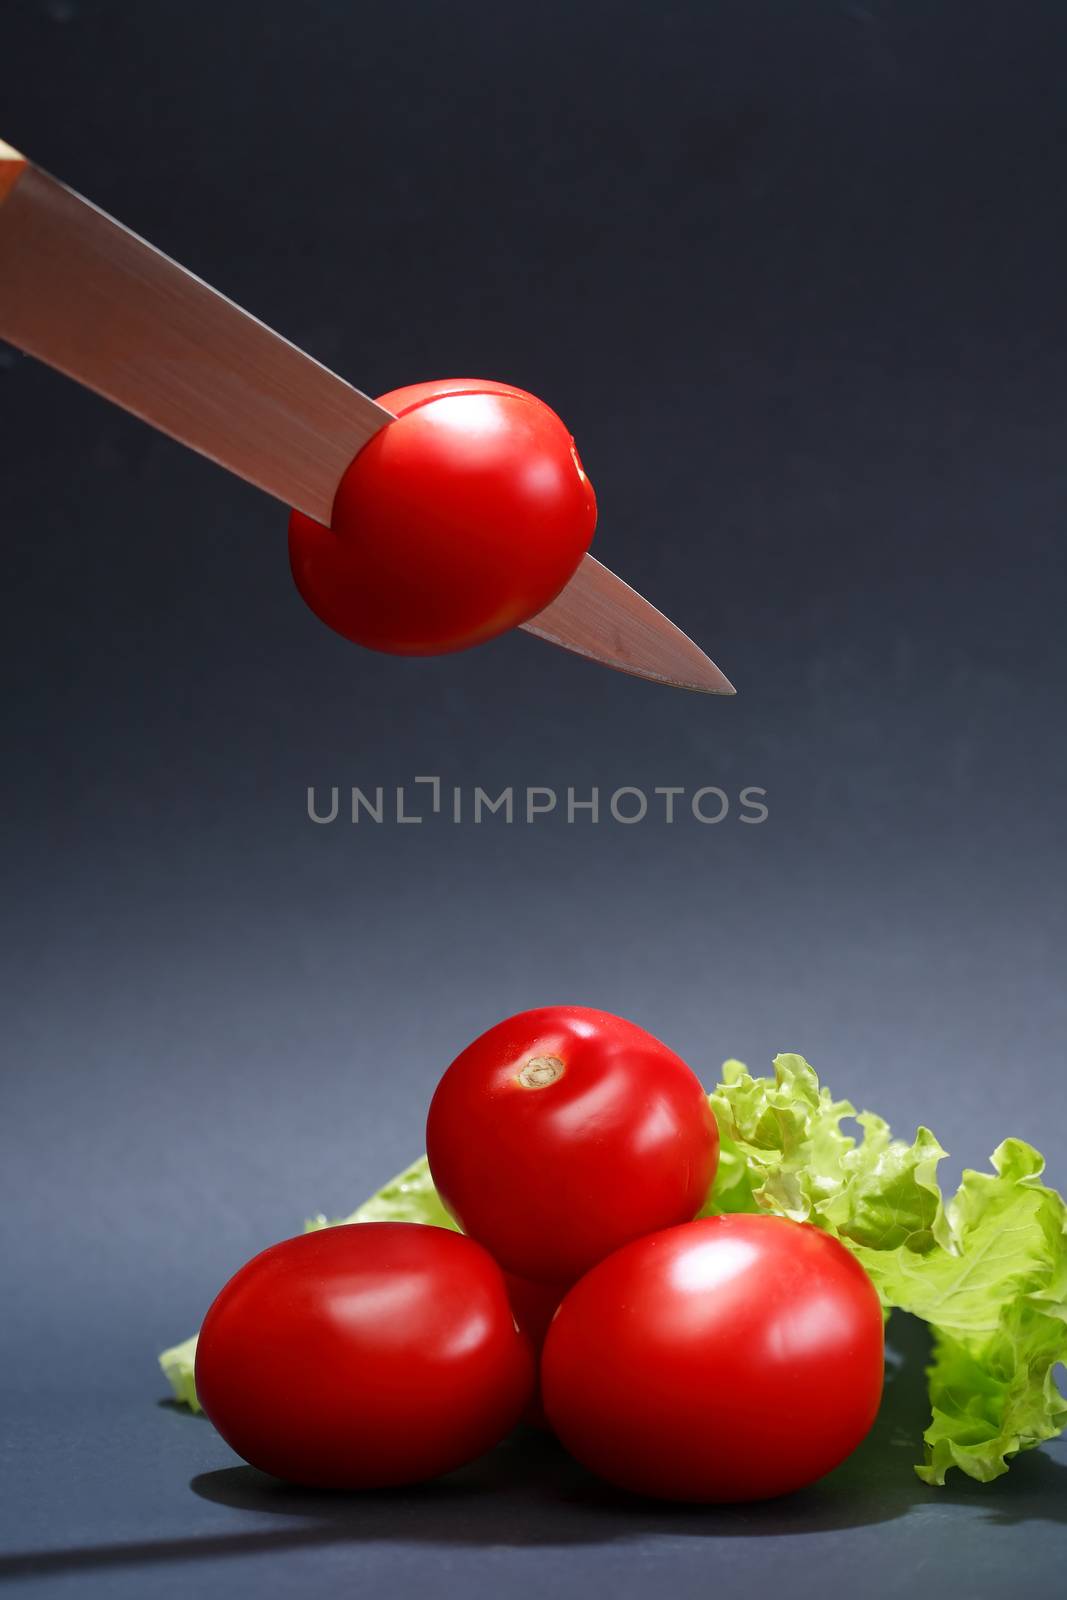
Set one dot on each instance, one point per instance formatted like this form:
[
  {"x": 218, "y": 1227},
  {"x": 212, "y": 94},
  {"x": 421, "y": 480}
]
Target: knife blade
[
  {"x": 87, "y": 296},
  {"x": 600, "y": 617}
]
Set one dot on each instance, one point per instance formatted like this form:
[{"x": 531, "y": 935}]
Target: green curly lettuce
[
  {"x": 178, "y": 1365},
  {"x": 987, "y": 1270},
  {"x": 409, "y": 1197}
]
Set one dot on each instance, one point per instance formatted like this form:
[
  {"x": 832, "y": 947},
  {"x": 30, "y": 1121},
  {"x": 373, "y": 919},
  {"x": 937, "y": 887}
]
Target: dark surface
[
  {"x": 794, "y": 275},
  {"x": 140, "y": 1501}
]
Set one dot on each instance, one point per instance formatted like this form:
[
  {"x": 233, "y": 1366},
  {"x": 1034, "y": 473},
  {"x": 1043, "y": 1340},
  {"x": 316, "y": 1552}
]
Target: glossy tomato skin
[
  {"x": 733, "y": 1358},
  {"x": 562, "y": 1133},
  {"x": 461, "y": 519},
  {"x": 364, "y": 1356}
]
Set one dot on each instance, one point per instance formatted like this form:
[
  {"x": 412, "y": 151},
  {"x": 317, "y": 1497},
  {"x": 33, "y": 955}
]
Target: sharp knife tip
[{"x": 711, "y": 681}]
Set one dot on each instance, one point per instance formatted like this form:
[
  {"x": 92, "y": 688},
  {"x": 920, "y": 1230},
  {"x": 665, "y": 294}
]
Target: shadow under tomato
[{"x": 530, "y": 1493}]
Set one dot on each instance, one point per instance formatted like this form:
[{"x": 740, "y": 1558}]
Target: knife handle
[{"x": 11, "y": 169}]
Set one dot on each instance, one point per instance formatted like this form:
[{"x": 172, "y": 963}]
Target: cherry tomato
[
  {"x": 562, "y": 1133},
  {"x": 461, "y": 519},
  {"x": 534, "y": 1306},
  {"x": 733, "y": 1358},
  {"x": 364, "y": 1356}
]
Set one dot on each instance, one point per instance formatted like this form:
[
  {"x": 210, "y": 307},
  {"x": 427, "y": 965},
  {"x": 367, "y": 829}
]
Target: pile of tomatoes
[{"x": 724, "y": 1358}]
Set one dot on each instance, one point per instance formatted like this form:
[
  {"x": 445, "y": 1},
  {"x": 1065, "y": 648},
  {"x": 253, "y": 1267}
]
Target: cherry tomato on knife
[
  {"x": 562, "y": 1133},
  {"x": 362, "y": 1356},
  {"x": 461, "y": 519},
  {"x": 732, "y": 1358}
]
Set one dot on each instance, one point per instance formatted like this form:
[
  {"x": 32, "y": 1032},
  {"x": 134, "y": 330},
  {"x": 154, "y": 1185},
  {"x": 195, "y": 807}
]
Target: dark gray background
[{"x": 794, "y": 274}]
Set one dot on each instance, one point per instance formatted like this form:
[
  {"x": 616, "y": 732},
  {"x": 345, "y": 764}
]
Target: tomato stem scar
[{"x": 540, "y": 1071}]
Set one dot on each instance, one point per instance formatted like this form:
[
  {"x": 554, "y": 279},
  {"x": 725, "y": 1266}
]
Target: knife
[{"x": 84, "y": 294}]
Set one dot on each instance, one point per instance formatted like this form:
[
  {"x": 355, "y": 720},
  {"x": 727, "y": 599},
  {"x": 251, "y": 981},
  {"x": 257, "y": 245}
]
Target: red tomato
[
  {"x": 734, "y": 1358},
  {"x": 461, "y": 519},
  {"x": 363, "y": 1356},
  {"x": 562, "y": 1133},
  {"x": 534, "y": 1305}
]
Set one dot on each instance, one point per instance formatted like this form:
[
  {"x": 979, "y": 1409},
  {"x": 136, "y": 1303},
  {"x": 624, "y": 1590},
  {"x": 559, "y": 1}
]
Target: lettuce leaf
[
  {"x": 177, "y": 1364},
  {"x": 986, "y": 1269},
  {"x": 409, "y": 1197}
]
